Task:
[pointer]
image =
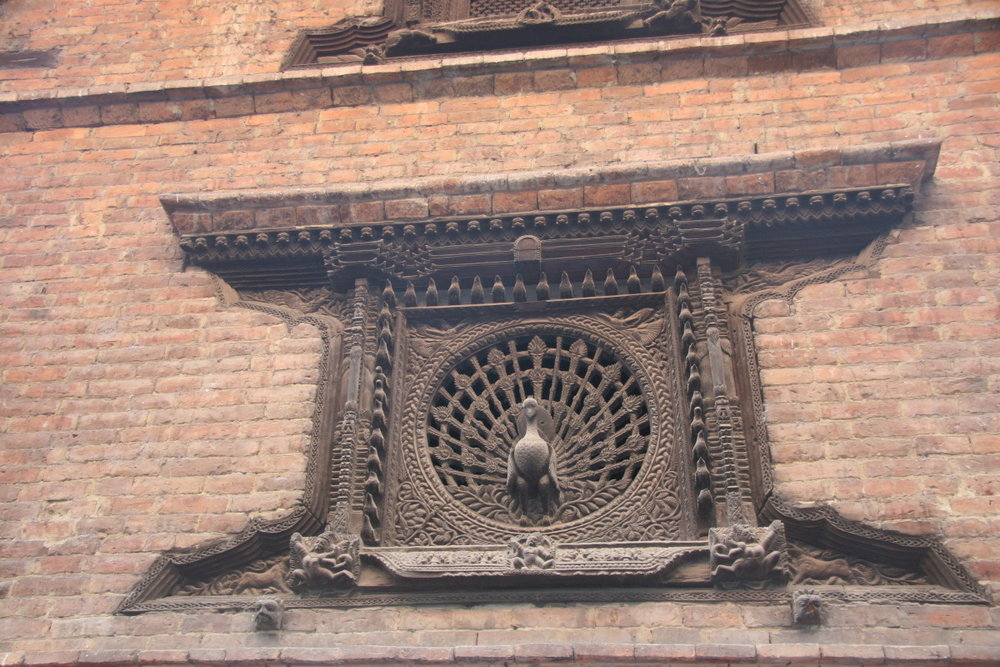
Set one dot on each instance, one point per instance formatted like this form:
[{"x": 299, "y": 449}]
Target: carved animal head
[
  {"x": 530, "y": 406},
  {"x": 806, "y": 608},
  {"x": 268, "y": 613}
]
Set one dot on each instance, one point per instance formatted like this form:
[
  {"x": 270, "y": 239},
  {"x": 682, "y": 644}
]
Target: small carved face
[
  {"x": 267, "y": 614},
  {"x": 806, "y": 609},
  {"x": 530, "y": 408}
]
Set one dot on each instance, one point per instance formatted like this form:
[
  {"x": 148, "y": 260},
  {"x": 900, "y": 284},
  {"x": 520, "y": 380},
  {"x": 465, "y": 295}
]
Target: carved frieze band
[
  {"x": 725, "y": 229},
  {"x": 537, "y": 556}
]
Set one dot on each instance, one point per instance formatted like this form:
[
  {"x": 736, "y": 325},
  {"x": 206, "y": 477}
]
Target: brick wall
[
  {"x": 127, "y": 41},
  {"x": 140, "y": 413},
  {"x": 881, "y": 387},
  {"x": 105, "y": 42}
]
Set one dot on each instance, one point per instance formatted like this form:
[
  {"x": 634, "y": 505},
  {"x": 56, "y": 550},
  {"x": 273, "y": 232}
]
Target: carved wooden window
[
  {"x": 587, "y": 414},
  {"x": 434, "y": 26}
]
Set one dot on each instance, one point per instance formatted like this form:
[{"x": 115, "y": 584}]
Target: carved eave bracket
[{"x": 823, "y": 527}]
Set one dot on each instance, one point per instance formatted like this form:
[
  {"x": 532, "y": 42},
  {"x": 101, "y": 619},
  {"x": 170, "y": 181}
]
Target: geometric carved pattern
[
  {"x": 599, "y": 429},
  {"x": 478, "y": 8}
]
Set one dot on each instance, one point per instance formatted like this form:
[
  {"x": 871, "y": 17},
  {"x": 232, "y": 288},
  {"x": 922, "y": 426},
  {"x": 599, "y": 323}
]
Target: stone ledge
[
  {"x": 435, "y": 77},
  {"x": 604, "y": 654}
]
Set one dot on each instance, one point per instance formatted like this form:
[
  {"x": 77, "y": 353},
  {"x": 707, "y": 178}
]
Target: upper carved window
[
  {"x": 436, "y": 26},
  {"x": 515, "y": 402}
]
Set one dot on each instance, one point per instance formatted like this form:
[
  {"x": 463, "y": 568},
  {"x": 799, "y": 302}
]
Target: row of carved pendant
[{"x": 476, "y": 293}]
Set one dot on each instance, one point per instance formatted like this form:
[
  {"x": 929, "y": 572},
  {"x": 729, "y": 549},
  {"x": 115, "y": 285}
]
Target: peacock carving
[
  {"x": 532, "y": 481},
  {"x": 538, "y": 429}
]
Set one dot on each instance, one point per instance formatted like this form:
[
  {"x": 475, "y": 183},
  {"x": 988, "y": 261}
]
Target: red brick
[
  {"x": 43, "y": 118},
  {"x": 750, "y": 184},
  {"x": 555, "y": 79},
  {"x": 700, "y": 187},
  {"x": 366, "y": 212},
  {"x": 987, "y": 41},
  {"x": 596, "y": 77},
  {"x": 912, "y": 49},
  {"x": 857, "y": 55},
  {"x": 606, "y": 195},
  {"x": 120, "y": 113},
  {"x": 560, "y": 199},
  {"x": 405, "y": 209},
  {"x": 543, "y": 653},
  {"x": 513, "y": 202},
  {"x": 686, "y": 68},
  {"x": 639, "y": 73},
  {"x": 394, "y": 93},
  {"x": 951, "y": 45},
  {"x": 768, "y": 63},
  {"x": 468, "y": 86},
  {"x": 478, "y": 204},
  {"x": 226, "y": 107},
  {"x": 648, "y": 192},
  {"x": 814, "y": 59},
  {"x": 12, "y": 122},
  {"x": 508, "y": 83}
]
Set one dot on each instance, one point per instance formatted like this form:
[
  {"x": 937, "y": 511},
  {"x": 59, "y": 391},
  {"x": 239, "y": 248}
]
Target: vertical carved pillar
[
  {"x": 726, "y": 421},
  {"x": 717, "y": 373},
  {"x": 696, "y": 401},
  {"x": 371, "y": 529},
  {"x": 346, "y": 435}
]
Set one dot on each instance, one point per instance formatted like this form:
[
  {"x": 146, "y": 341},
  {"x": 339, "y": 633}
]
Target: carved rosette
[{"x": 605, "y": 383}]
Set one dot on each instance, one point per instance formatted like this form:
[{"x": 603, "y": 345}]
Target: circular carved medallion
[{"x": 574, "y": 453}]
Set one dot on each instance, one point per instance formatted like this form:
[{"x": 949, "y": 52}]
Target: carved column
[{"x": 723, "y": 412}]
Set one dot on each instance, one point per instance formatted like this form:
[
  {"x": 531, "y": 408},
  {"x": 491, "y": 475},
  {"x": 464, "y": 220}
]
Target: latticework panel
[
  {"x": 595, "y": 418},
  {"x": 484, "y": 8}
]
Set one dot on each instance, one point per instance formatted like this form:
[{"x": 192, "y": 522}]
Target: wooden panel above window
[{"x": 414, "y": 27}]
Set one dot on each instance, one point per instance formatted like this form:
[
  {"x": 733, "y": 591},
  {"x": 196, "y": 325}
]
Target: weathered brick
[
  {"x": 512, "y": 202},
  {"x": 606, "y": 195},
  {"x": 403, "y": 209}
]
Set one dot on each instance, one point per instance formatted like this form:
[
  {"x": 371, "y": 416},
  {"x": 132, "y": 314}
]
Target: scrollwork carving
[
  {"x": 530, "y": 411},
  {"x": 319, "y": 301}
]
